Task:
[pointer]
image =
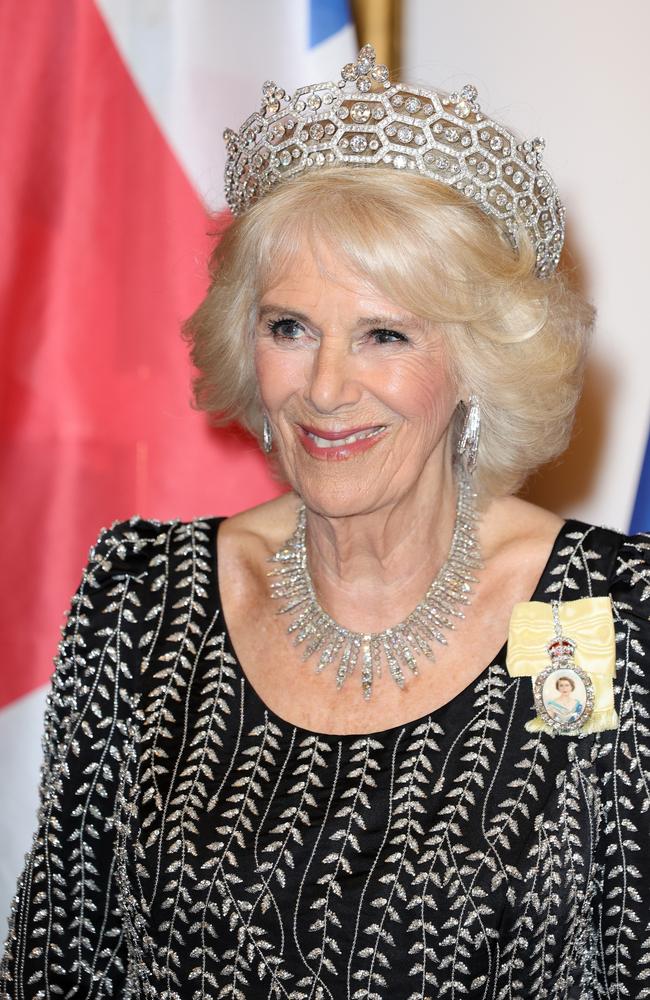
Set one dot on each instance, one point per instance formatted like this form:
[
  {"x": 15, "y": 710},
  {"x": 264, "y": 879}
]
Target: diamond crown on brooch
[{"x": 364, "y": 119}]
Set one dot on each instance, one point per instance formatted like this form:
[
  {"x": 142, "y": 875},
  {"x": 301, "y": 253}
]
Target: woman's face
[
  {"x": 357, "y": 389},
  {"x": 564, "y": 687}
]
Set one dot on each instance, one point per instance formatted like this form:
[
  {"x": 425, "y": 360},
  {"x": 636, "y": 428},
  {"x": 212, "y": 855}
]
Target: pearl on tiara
[{"x": 364, "y": 119}]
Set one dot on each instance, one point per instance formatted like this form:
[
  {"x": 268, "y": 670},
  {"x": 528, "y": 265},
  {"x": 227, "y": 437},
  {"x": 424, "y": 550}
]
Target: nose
[{"x": 332, "y": 381}]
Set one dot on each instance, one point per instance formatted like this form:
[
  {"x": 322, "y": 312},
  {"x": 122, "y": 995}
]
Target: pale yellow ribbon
[{"x": 589, "y": 622}]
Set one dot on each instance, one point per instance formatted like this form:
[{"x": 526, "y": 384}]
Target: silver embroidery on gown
[{"x": 191, "y": 844}]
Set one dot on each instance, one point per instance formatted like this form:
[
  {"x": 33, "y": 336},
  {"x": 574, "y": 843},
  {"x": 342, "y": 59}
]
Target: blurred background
[{"x": 110, "y": 174}]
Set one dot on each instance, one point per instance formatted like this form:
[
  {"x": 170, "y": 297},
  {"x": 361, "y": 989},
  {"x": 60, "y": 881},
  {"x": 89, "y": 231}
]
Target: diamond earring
[
  {"x": 467, "y": 449},
  {"x": 267, "y": 436}
]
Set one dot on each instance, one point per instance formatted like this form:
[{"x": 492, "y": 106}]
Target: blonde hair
[{"x": 514, "y": 340}]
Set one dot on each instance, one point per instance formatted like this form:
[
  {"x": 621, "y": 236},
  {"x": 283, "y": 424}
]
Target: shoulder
[
  {"x": 517, "y": 541},
  {"x": 245, "y": 543},
  {"x": 131, "y": 569},
  {"x": 132, "y": 565},
  {"x": 598, "y": 561},
  {"x": 249, "y": 538},
  {"x": 269, "y": 523},
  {"x": 579, "y": 559},
  {"x": 137, "y": 546},
  {"x": 631, "y": 581},
  {"x": 605, "y": 555},
  {"x": 517, "y": 529}
]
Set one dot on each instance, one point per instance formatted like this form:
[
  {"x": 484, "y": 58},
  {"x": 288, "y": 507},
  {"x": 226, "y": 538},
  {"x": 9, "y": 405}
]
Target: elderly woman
[{"x": 363, "y": 795}]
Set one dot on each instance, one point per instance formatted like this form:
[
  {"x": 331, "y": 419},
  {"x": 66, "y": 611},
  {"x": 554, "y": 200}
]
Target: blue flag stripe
[
  {"x": 641, "y": 513},
  {"x": 326, "y": 17}
]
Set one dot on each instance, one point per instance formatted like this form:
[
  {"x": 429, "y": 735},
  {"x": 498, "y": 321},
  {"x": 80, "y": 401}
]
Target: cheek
[
  {"x": 278, "y": 373},
  {"x": 420, "y": 391}
]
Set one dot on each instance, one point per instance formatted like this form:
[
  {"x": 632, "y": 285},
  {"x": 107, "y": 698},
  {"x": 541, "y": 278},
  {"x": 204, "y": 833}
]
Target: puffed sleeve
[
  {"x": 623, "y": 911},
  {"x": 66, "y": 936}
]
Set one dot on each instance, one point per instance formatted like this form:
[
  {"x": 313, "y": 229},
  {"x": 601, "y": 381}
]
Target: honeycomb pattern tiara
[{"x": 365, "y": 120}]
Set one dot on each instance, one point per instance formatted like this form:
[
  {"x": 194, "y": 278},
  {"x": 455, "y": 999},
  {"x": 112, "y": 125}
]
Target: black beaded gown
[{"x": 192, "y": 844}]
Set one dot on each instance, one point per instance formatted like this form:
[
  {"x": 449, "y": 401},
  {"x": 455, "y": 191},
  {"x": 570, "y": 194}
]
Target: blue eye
[
  {"x": 388, "y": 337},
  {"x": 285, "y": 329}
]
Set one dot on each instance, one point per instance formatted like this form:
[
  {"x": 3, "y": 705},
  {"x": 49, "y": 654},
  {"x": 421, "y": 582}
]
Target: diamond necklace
[{"x": 397, "y": 646}]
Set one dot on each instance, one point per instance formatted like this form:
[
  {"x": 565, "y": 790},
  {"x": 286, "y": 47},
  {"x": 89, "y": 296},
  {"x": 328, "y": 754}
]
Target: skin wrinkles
[{"x": 329, "y": 369}]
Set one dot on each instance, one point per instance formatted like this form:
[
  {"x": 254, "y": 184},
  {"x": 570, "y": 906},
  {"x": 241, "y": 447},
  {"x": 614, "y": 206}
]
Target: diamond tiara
[{"x": 365, "y": 120}]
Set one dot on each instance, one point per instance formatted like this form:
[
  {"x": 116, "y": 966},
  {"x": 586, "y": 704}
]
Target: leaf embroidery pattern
[{"x": 191, "y": 845}]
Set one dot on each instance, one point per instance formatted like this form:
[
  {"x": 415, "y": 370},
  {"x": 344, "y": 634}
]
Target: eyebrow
[{"x": 384, "y": 320}]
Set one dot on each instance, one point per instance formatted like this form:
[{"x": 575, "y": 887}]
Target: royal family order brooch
[{"x": 568, "y": 650}]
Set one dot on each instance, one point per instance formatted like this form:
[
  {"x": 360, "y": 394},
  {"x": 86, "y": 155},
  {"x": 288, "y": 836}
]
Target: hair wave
[{"x": 516, "y": 341}]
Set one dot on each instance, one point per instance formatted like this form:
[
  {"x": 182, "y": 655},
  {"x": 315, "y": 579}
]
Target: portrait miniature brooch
[{"x": 568, "y": 650}]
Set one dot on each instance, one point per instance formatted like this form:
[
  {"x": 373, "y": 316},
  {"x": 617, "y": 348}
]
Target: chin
[
  {"x": 360, "y": 484},
  {"x": 337, "y": 496}
]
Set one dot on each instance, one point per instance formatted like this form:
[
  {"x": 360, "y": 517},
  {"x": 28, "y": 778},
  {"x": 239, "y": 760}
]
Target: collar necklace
[{"x": 397, "y": 646}]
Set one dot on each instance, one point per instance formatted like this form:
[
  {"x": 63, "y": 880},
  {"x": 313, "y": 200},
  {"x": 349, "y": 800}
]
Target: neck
[{"x": 371, "y": 569}]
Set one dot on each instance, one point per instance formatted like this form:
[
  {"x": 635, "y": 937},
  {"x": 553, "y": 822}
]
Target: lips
[
  {"x": 341, "y": 443},
  {"x": 334, "y": 438}
]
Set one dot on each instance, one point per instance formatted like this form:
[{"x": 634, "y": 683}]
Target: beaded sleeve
[
  {"x": 623, "y": 765},
  {"x": 65, "y": 932}
]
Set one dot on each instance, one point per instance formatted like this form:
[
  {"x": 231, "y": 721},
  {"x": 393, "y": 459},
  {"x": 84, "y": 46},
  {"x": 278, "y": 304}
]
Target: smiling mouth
[{"x": 343, "y": 439}]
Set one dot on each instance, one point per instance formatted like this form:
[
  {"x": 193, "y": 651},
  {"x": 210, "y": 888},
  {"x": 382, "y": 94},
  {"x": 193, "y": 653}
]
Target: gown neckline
[{"x": 383, "y": 734}]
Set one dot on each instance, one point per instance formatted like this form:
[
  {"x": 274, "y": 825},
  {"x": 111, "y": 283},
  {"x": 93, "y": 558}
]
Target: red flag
[{"x": 102, "y": 257}]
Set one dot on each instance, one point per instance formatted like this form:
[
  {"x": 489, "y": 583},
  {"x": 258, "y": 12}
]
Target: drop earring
[
  {"x": 467, "y": 449},
  {"x": 267, "y": 436}
]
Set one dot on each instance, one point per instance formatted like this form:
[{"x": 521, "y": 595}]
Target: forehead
[
  {"x": 313, "y": 262},
  {"x": 315, "y": 277}
]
